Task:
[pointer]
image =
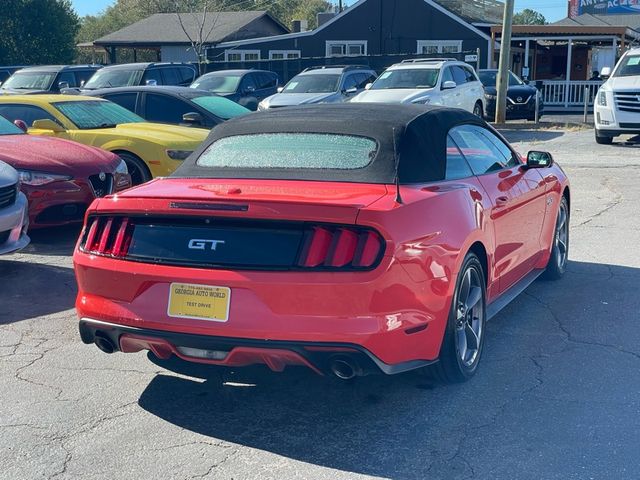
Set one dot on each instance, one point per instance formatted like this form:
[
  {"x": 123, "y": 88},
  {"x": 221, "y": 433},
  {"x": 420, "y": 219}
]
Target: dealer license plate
[{"x": 200, "y": 302}]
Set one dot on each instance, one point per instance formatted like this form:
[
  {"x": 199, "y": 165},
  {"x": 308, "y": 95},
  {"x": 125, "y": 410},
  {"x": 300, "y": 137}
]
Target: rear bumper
[{"x": 239, "y": 352}]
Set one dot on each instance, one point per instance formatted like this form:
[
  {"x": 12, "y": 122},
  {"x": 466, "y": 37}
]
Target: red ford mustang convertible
[{"x": 351, "y": 239}]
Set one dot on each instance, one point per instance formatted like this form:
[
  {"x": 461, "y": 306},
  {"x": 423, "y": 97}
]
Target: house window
[
  {"x": 430, "y": 47},
  {"x": 283, "y": 54},
  {"x": 346, "y": 48},
  {"x": 241, "y": 55}
]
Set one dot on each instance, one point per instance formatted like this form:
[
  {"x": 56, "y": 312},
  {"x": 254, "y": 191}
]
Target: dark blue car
[{"x": 246, "y": 87}]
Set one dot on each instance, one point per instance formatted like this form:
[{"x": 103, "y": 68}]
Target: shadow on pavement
[
  {"x": 55, "y": 241},
  {"x": 403, "y": 427},
  {"x": 515, "y": 136},
  {"x": 30, "y": 290}
]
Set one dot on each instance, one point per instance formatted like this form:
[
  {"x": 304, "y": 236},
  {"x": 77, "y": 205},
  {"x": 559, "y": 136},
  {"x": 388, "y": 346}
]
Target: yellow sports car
[{"x": 149, "y": 149}]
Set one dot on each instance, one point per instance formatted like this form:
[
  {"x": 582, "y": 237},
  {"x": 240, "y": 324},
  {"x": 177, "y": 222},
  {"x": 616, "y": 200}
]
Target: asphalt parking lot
[{"x": 557, "y": 395}]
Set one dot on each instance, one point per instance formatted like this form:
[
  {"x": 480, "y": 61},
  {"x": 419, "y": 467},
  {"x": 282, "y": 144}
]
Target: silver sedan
[{"x": 14, "y": 219}]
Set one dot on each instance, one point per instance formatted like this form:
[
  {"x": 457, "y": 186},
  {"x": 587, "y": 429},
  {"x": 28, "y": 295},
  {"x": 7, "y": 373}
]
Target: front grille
[
  {"x": 4, "y": 236},
  {"x": 8, "y": 195},
  {"x": 628, "y": 101},
  {"x": 520, "y": 100},
  {"x": 101, "y": 187},
  {"x": 634, "y": 126}
]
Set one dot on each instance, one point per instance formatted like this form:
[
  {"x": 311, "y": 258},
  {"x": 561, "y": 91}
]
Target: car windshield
[
  {"x": 313, "y": 83},
  {"x": 8, "y": 128},
  {"x": 221, "y": 107},
  {"x": 217, "y": 83},
  {"x": 30, "y": 81},
  {"x": 407, "y": 78},
  {"x": 489, "y": 78},
  {"x": 629, "y": 66},
  {"x": 290, "y": 151},
  {"x": 106, "y": 78},
  {"x": 88, "y": 114}
]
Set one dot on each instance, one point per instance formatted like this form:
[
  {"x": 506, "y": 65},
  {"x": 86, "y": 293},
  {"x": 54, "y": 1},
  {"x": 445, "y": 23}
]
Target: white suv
[
  {"x": 439, "y": 81},
  {"x": 617, "y": 105}
]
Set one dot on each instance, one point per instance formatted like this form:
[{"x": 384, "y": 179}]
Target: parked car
[
  {"x": 246, "y": 87},
  {"x": 14, "y": 219},
  {"x": 617, "y": 104},
  {"x": 48, "y": 78},
  {"x": 428, "y": 81},
  {"x": 148, "y": 149},
  {"x": 521, "y": 97},
  {"x": 7, "y": 71},
  {"x": 174, "y": 105},
  {"x": 330, "y": 84},
  {"x": 60, "y": 178},
  {"x": 134, "y": 74},
  {"x": 290, "y": 238}
]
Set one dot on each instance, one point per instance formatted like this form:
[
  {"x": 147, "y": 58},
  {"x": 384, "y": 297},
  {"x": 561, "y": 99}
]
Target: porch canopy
[{"x": 565, "y": 57}]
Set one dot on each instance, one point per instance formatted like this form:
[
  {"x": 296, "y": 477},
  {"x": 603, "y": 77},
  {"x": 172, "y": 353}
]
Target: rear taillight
[
  {"x": 340, "y": 248},
  {"x": 108, "y": 236}
]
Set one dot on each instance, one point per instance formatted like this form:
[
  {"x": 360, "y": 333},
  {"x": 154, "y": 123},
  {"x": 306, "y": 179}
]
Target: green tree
[
  {"x": 529, "y": 17},
  {"x": 37, "y": 32}
]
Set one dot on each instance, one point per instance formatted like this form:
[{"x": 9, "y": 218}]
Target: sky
[{"x": 553, "y": 10}]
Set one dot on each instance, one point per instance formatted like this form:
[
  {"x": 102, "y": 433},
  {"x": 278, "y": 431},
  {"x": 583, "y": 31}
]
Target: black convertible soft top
[{"x": 411, "y": 141}]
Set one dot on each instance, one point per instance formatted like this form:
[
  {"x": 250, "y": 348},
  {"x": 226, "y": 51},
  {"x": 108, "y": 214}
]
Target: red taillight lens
[
  {"x": 341, "y": 248},
  {"x": 108, "y": 236}
]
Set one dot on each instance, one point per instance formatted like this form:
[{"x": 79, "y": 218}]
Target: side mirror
[
  {"x": 192, "y": 118},
  {"x": 350, "y": 91},
  {"x": 47, "y": 124},
  {"x": 62, "y": 85},
  {"x": 82, "y": 82},
  {"x": 449, "y": 85},
  {"x": 21, "y": 124},
  {"x": 151, "y": 83},
  {"x": 280, "y": 89},
  {"x": 368, "y": 86},
  {"x": 537, "y": 159},
  {"x": 605, "y": 72}
]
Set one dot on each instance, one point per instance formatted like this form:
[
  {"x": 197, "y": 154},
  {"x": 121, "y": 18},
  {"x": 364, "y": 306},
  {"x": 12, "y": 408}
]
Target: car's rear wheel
[
  {"x": 464, "y": 335},
  {"x": 137, "y": 168},
  {"x": 557, "y": 264},
  {"x": 603, "y": 139},
  {"x": 477, "y": 110}
]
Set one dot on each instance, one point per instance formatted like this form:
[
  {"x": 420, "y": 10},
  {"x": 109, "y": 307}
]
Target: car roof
[
  {"x": 236, "y": 72},
  {"x": 336, "y": 69},
  {"x": 426, "y": 64},
  {"x": 143, "y": 65},
  {"x": 59, "y": 68},
  {"x": 45, "y": 98},
  {"x": 410, "y": 139},
  {"x": 168, "y": 89}
]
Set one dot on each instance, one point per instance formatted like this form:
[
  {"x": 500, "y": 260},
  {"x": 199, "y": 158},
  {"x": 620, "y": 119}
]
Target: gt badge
[{"x": 203, "y": 244}]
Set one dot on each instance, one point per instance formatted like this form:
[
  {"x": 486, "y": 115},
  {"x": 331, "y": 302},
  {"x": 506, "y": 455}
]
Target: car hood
[
  {"x": 623, "y": 83},
  {"x": 156, "y": 132},
  {"x": 288, "y": 99},
  {"x": 8, "y": 175},
  {"x": 55, "y": 155},
  {"x": 392, "y": 95},
  {"x": 513, "y": 91}
]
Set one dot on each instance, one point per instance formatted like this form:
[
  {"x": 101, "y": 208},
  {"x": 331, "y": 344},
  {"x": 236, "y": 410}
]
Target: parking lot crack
[{"x": 216, "y": 465}]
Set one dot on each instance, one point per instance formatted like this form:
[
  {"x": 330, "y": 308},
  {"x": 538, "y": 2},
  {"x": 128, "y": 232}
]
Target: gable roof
[
  {"x": 590, "y": 20},
  {"x": 165, "y": 28},
  {"x": 346, "y": 12}
]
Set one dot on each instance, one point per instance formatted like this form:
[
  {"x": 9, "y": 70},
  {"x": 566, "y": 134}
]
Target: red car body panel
[
  {"x": 397, "y": 311},
  {"x": 60, "y": 157}
]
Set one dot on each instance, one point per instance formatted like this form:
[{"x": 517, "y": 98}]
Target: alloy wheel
[
  {"x": 469, "y": 317},
  {"x": 562, "y": 236}
]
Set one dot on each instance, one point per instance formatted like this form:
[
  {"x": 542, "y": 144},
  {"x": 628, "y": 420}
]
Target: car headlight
[
  {"x": 34, "y": 178},
  {"x": 122, "y": 168},
  {"x": 262, "y": 106},
  {"x": 178, "y": 154},
  {"x": 488, "y": 96},
  {"x": 422, "y": 101},
  {"x": 602, "y": 98}
]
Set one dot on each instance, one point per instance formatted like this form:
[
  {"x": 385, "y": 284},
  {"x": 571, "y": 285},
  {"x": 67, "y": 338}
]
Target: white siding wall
[{"x": 173, "y": 53}]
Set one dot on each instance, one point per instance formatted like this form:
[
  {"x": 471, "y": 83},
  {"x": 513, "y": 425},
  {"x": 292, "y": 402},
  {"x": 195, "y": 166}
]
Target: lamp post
[{"x": 503, "y": 68}]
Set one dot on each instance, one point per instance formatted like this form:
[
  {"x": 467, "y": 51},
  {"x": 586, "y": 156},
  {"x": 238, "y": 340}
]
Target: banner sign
[{"x": 603, "y": 7}]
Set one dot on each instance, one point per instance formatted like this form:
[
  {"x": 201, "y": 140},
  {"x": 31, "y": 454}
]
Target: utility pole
[
  {"x": 339, "y": 6},
  {"x": 503, "y": 68}
]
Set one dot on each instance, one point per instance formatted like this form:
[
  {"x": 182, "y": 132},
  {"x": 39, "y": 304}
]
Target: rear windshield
[
  {"x": 306, "y": 151},
  {"x": 88, "y": 114}
]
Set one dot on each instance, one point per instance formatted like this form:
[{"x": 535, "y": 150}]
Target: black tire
[
  {"x": 454, "y": 364},
  {"x": 557, "y": 264},
  {"x": 477, "y": 110},
  {"x": 603, "y": 139},
  {"x": 137, "y": 168}
]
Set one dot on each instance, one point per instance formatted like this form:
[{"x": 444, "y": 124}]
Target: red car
[
  {"x": 351, "y": 239},
  {"x": 59, "y": 177}
]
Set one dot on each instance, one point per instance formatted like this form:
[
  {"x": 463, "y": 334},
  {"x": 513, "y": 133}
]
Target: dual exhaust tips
[{"x": 342, "y": 367}]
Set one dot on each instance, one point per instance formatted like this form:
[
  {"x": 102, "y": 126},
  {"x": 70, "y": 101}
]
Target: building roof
[
  {"x": 476, "y": 11},
  {"x": 165, "y": 28},
  {"x": 589, "y": 20}
]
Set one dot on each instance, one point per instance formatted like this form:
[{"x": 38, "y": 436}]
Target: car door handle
[{"x": 502, "y": 201}]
